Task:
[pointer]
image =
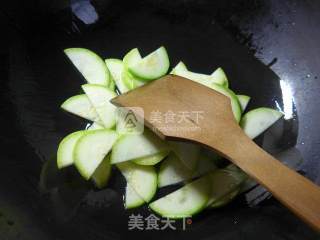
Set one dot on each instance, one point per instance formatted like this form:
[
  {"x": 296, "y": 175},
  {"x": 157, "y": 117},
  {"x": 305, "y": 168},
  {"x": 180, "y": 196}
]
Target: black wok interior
[{"x": 258, "y": 43}]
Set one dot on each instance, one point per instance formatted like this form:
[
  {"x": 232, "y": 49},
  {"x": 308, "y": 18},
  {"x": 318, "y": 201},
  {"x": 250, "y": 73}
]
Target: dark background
[{"x": 284, "y": 34}]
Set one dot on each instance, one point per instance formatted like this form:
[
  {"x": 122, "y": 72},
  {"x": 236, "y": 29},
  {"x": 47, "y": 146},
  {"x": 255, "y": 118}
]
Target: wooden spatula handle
[{"x": 292, "y": 189}]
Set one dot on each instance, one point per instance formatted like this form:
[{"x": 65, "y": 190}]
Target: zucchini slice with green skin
[
  {"x": 258, "y": 120},
  {"x": 219, "y": 76},
  {"x": 81, "y": 106},
  {"x": 91, "y": 66},
  {"x": 95, "y": 126},
  {"x": 196, "y": 77},
  {"x": 188, "y": 153},
  {"x": 203, "y": 79},
  {"x": 151, "y": 67},
  {"x": 235, "y": 105},
  {"x": 132, "y": 198},
  {"x": 142, "y": 179},
  {"x": 186, "y": 201},
  {"x": 130, "y": 81},
  {"x": 173, "y": 171},
  {"x": 135, "y": 146},
  {"x": 130, "y": 59},
  {"x": 244, "y": 101},
  {"x": 91, "y": 149},
  {"x": 223, "y": 182},
  {"x": 179, "y": 67},
  {"x": 100, "y": 97},
  {"x": 151, "y": 160},
  {"x": 112, "y": 85},
  {"x": 102, "y": 174},
  {"x": 65, "y": 150},
  {"x": 225, "y": 200},
  {"x": 116, "y": 67}
]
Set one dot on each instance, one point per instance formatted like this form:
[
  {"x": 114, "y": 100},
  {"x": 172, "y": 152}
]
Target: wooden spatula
[{"x": 209, "y": 121}]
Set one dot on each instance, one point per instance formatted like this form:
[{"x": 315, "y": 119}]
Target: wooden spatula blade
[{"x": 192, "y": 107}]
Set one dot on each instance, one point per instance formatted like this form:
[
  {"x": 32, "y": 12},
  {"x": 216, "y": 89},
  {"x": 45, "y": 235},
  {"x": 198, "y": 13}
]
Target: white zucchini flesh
[
  {"x": 226, "y": 199},
  {"x": 131, "y": 58},
  {"x": 244, "y": 101},
  {"x": 132, "y": 198},
  {"x": 81, "y": 106},
  {"x": 91, "y": 149},
  {"x": 197, "y": 77},
  {"x": 258, "y": 120},
  {"x": 100, "y": 97},
  {"x": 186, "y": 201},
  {"x": 142, "y": 179},
  {"x": 116, "y": 67},
  {"x": 179, "y": 67},
  {"x": 235, "y": 105},
  {"x": 65, "y": 150},
  {"x": 102, "y": 174},
  {"x": 91, "y": 66},
  {"x": 95, "y": 126},
  {"x": 207, "y": 80},
  {"x": 219, "y": 76},
  {"x": 134, "y": 146},
  {"x": 131, "y": 81},
  {"x": 153, "y": 66},
  {"x": 188, "y": 153},
  {"x": 173, "y": 171},
  {"x": 206, "y": 164},
  {"x": 223, "y": 182},
  {"x": 151, "y": 160}
]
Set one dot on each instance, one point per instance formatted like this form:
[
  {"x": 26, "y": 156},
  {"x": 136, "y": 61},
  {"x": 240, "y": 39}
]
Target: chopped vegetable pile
[{"x": 147, "y": 162}]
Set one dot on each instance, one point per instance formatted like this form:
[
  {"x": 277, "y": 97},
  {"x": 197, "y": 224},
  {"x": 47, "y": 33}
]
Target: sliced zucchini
[
  {"x": 235, "y": 105},
  {"x": 226, "y": 199},
  {"x": 112, "y": 85},
  {"x": 188, "y": 153},
  {"x": 151, "y": 160},
  {"x": 131, "y": 58},
  {"x": 135, "y": 146},
  {"x": 223, "y": 182},
  {"x": 151, "y": 67},
  {"x": 91, "y": 149},
  {"x": 102, "y": 174},
  {"x": 100, "y": 97},
  {"x": 203, "y": 79},
  {"x": 81, "y": 106},
  {"x": 115, "y": 67},
  {"x": 244, "y": 101},
  {"x": 95, "y": 126},
  {"x": 173, "y": 171},
  {"x": 179, "y": 67},
  {"x": 65, "y": 149},
  {"x": 197, "y": 77},
  {"x": 206, "y": 164},
  {"x": 186, "y": 201},
  {"x": 91, "y": 66},
  {"x": 142, "y": 179},
  {"x": 131, "y": 81},
  {"x": 219, "y": 76},
  {"x": 132, "y": 198},
  {"x": 258, "y": 120}
]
